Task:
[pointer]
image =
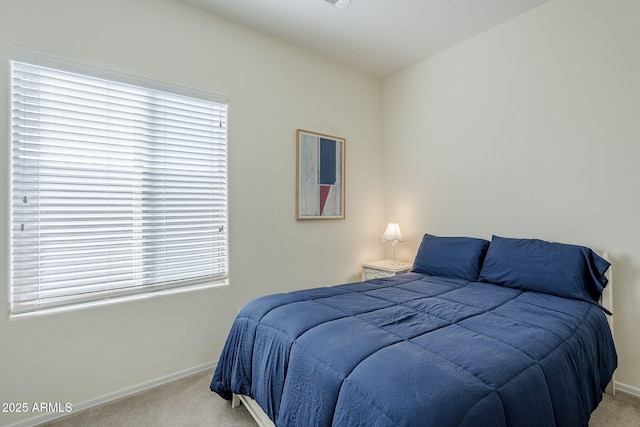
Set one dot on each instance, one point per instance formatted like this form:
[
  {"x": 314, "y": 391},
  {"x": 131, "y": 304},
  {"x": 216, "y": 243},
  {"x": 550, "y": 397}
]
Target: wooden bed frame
[
  {"x": 254, "y": 409},
  {"x": 606, "y": 300}
]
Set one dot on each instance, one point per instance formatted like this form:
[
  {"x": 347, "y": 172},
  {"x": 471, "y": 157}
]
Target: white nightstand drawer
[{"x": 384, "y": 268}]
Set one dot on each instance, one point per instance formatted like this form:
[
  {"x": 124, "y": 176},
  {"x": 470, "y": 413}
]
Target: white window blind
[{"x": 117, "y": 189}]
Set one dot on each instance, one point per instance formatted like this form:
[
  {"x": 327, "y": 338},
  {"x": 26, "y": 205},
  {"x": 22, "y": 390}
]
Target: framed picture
[{"x": 319, "y": 176}]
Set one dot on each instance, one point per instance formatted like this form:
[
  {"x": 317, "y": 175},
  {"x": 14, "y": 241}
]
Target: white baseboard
[
  {"x": 628, "y": 389},
  {"x": 116, "y": 395}
]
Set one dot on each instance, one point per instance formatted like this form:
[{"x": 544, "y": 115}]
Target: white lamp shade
[{"x": 392, "y": 233}]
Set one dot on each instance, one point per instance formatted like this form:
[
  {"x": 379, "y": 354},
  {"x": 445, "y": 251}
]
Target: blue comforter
[{"x": 418, "y": 350}]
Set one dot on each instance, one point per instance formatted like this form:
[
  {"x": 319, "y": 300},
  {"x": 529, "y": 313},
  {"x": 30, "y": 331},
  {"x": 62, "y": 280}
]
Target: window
[{"x": 118, "y": 185}]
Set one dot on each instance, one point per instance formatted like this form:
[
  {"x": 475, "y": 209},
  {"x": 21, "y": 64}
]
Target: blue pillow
[
  {"x": 559, "y": 269},
  {"x": 459, "y": 257}
]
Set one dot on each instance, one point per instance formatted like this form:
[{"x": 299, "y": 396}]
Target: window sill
[{"x": 122, "y": 299}]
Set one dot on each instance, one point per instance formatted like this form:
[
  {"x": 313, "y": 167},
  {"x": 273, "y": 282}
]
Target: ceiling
[{"x": 378, "y": 37}]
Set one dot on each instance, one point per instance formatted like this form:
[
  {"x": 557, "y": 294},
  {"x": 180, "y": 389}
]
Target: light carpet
[{"x": 187, "y": 402}]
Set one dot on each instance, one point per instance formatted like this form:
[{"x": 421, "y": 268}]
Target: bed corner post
[
  {"x": 607, "y": 302},
  {"x": 235, "y": 401}
]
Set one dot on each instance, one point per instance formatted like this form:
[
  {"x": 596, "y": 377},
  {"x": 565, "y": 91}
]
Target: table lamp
[{"x": 392, "y": 234}]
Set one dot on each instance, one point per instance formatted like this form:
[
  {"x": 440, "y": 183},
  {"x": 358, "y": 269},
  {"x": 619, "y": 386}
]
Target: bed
[{"x": 507, "y": 332}]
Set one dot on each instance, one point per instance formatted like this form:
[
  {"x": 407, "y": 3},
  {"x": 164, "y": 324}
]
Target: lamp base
[{"x": 393, "y": 247}]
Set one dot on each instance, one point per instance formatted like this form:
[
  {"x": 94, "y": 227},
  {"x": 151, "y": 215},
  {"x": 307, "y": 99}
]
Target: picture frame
[{"x": 320, "y": 176}]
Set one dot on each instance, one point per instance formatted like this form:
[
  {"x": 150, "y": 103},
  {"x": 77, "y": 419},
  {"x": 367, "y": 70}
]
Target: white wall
[
  {"x": 273, "y": 88},
  {"x": 531, "y": 129}
]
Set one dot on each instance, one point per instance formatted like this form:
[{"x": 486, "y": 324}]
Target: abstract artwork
[{"x": 320, "y": 176}]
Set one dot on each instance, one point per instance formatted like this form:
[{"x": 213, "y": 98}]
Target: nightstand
[{"x": 384, "y": 268}]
